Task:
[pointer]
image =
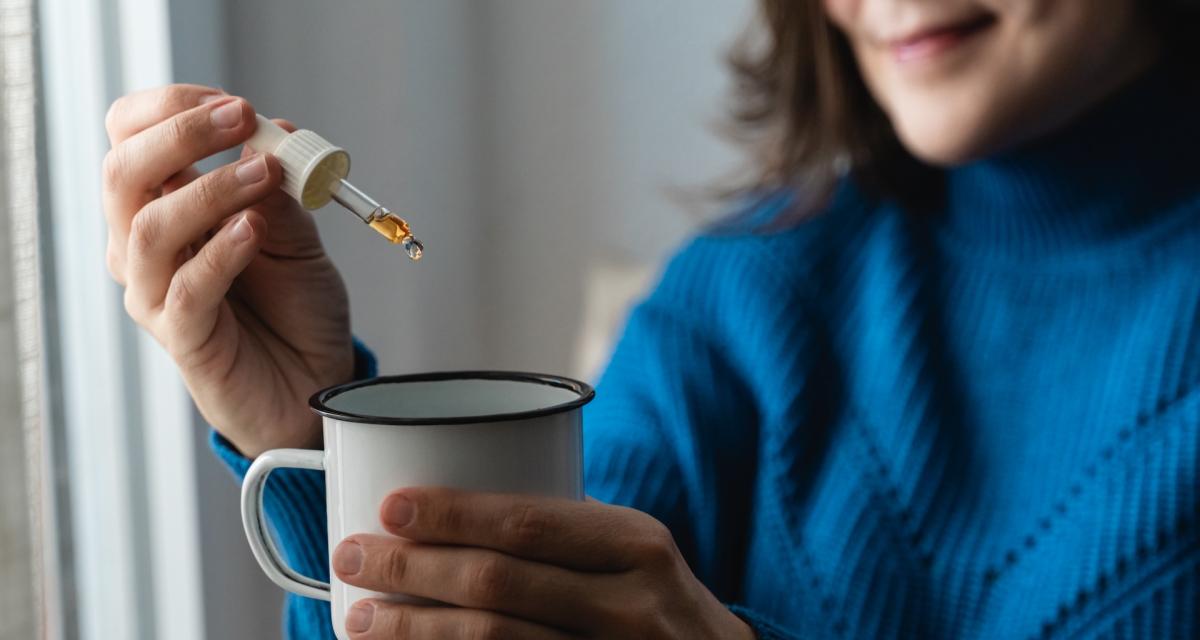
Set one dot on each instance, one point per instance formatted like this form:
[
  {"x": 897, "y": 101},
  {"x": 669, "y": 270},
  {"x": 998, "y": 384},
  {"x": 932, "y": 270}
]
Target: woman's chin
[{"x": 944, "y": 146}]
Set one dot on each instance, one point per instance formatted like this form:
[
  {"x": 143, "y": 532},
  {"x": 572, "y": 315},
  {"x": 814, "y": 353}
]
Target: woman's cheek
[{"x": 842, "y": 13}]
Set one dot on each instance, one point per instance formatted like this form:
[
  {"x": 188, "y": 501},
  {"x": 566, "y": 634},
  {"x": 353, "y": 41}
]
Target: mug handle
[{"x": 253, "y": 519}]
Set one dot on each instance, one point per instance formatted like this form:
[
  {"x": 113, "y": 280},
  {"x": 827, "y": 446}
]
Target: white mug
[{"x": 475, "y": 430}]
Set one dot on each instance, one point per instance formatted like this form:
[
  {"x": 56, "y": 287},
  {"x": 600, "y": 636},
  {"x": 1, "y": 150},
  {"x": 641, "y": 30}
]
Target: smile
[{"x": 929, "y": 42}]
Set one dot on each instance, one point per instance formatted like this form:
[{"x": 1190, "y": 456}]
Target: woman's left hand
[{"x": 526, "y": 567}]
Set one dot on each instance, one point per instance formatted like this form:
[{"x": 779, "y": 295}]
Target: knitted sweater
[{"x": 974, "y": 422}]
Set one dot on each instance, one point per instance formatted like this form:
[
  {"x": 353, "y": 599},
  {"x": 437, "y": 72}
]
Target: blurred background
[{"x": 550, "y": 154}]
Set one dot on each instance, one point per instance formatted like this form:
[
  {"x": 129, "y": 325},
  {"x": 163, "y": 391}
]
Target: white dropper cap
[
  {"x": 314, "y": 172},
  {"x": 312, "y": 165}
]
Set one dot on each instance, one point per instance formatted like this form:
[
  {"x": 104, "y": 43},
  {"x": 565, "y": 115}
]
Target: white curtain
[{"x": 22, "y": 615}]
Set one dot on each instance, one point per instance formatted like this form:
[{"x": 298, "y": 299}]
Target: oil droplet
[
  {"x": 396, "y": 230},
  {"x": 414, "y": 248},
  {"x": 391, "y": 227}
]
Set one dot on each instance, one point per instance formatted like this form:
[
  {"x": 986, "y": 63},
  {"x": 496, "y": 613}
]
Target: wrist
[
  {"x": 737, "y": 628},
  {"x": 251, "y": 446},
  {"x": 760, "y": 627}
]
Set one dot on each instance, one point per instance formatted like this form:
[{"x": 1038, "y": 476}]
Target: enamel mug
[{"x": 488, "y": 431}]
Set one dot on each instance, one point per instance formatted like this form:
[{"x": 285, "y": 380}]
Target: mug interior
[{"x": 451, "y": 397}]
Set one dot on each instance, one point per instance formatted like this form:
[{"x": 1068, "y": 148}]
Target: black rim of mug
[{"x": 319, "y": 400}]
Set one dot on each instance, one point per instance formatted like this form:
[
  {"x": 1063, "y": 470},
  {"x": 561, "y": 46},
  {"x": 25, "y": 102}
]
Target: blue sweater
[{"x": 974, "y": 422}]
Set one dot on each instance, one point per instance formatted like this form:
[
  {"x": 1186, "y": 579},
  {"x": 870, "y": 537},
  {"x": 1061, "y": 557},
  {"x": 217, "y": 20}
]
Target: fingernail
[
  {"x": 358, "y": 618},
  {"x": 251, "y": 170},
  {"x": 227, "y": 116},
  {"x": 348, "y": 558},
  {"x": 209, "y": 97},
  {"x": 241, "y": 230},
  {"x": 398, "y": 511}
]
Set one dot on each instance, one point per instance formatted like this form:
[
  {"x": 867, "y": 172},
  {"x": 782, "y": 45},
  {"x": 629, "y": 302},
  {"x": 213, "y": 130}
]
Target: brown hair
[
  {"x": 807, "y": 117},
  {"x": 805, "y": 114}
]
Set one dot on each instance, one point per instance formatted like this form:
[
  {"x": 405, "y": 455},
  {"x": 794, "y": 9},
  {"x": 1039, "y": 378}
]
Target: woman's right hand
[{"x": 223, "y": 269}]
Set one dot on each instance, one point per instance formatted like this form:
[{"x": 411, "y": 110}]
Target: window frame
[{"x": 126, "y": 425}]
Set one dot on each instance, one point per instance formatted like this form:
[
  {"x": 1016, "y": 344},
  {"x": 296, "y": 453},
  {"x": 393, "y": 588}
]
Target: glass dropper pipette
[
  {"x": 388, "y": 224},
  {"x": 315, "y": 171}
]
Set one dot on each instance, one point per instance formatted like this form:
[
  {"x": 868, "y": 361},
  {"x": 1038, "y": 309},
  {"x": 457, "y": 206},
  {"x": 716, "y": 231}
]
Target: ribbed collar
[{"x": 1113, "y": 172}]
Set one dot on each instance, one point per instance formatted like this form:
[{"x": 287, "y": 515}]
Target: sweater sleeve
[
  {"x": 672, "y": 431},
  {"x": 763, "y": 628},
  {"x": 294, "y": 502}
]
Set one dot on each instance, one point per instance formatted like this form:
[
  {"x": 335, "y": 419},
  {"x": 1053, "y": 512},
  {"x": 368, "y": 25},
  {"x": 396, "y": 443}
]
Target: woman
[{"x": 937, "y": 380}]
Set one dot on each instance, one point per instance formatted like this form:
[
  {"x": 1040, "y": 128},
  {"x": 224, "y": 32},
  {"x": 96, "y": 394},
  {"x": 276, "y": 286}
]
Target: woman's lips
[{"x": 927, "y": 43}]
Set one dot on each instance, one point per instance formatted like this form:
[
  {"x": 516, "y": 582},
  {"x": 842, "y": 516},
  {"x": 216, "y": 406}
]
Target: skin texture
[
  {"x": 526, "y": 568},
  {"x": 1034, "y": 66},
  {"x": 255, "y": 322}
]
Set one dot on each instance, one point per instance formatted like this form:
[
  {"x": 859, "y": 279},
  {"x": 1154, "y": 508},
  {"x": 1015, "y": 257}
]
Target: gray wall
[
  {"x": 527, "y": 141},
  {"x": 397, "y": 84},
  {"x": 533, "y": 145},
  {"x": 597, "y": 113}
]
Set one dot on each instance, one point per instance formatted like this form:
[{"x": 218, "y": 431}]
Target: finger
[
  {"x": 180, "y": 180},
  {"x": 575, "y": 534},
  {"x": 137, "y": 111},
  {"x": 117, "y": 241},
  {"x": 470, "y": 577},
  {"x": 168, "y": 224},
  {"x": 199, "y": 286},
  {"x": 381, "y": 620},
  {"x": 114, "y": 257},
  {"x": 135, "y": 170}
]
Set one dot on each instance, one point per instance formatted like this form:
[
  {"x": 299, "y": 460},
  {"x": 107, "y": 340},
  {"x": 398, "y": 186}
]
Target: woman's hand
[
  {"x": 225, "y": 270},
  {"x": 525, "y": 567}
]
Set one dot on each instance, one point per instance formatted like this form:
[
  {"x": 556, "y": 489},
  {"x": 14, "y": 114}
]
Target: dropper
[
  {"x": 388, "y": 224},
  {"x": 314, "y": 172}
]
